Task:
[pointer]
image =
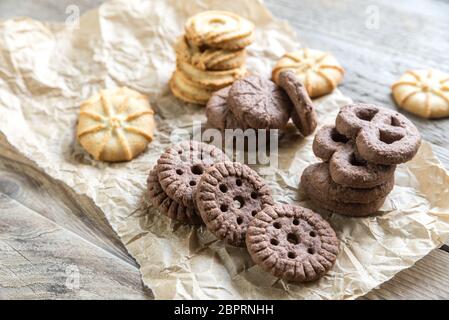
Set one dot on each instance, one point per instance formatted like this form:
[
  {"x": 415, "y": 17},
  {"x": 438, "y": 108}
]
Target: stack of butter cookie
[
  {"x": 254, "y": 102},
  {"x": 211, "y": 55},
  {"x": 359, "y": 154}
]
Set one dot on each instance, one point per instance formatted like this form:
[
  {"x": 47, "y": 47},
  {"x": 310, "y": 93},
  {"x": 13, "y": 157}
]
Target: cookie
[
  {"x": 218, "y": 114},
  {"x": 209, "y": 59},
  {"x": 346, "y": 166},
  {"x": 210, "y": 80},
  {"x": 292, "y": 243},
  {"x": 423, "y": 92},
  {"x": 319, "y": 72},
  {"x": 259, "y": 103},
  {"x": 219, "y": 29},
  {"x": 348, "y": 209},
  {"x": 168, "y": 206},
  {"x": 316, "y": 179},
  {"x": 228, "y": 196},
  {"x": 303, "y": 111},
  {"x": 188, "y": 91},
  {"x": 180, "y": 167},
  {"x": 115, "y": 125},
  {"x": 382, "y": 136}
]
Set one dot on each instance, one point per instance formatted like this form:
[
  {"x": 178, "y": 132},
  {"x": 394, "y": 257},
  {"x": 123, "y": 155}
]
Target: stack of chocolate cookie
[
  {"x": 211, "y": 55},
  {"x": 194, "y": 182},
  {"x": 360, "y": 155},
  {"x": 254, "y": 102}
]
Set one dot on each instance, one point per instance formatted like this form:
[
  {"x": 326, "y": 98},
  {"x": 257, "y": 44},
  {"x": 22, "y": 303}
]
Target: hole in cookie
[
  {"x": 310, "y": 251},
  {"x": 179, "y": 172},
  {"x": 295, "y": 222},
  {"x": 239, "y": 220},
  {"x": 356, "y": 161},
  {"x": 312, "y": 234},
  {"x": 223, "y": 208},
  {"x": 239, "y": 202},
  {"x": 223, "y": 188},
  {"x": 179, "y": 151},
  {"x": 292, "y": 238},
  {"x": 366, "y": 114},
  {"x": 216, "y": 22},
  {"x": 388, "y": 138},
  {"x": 277, "y": 225},
  {"x": 291, "y": 255},
  {"x": 253, "y": 213},
  {"x": 274, "y": 242},
  {"x": 192, "y": 183},
  {"x": 238, "y": 182},
  {"x": 395, "y": 122},
  {"x": 337, "y": 137},
  {"x": 254, "y": 195},
  {"x": 197, "y": 170}
]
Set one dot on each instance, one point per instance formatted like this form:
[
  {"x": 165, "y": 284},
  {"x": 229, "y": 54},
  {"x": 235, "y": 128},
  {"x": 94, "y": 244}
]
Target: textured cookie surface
[
  {"x": 168, "y": 206},
  {"x": 188, "y": 91},
  {"x": 423, "y": 92},
  {"x": 181, "y": 166},
  {"x": 316, "y": 179},
  {"x": 260, "y": 103},
  {"x": 292, "y": 243},
  {"x": 303, "y": 112},
  {"x": 228, "y": 196},
  {"x": 219, "y": 29},
  {"x": 319, "y": 72},
  {"x": 218, "y": 113},
  {"x": 382, "y": 136},
  {"x": 115, "y": 125}
]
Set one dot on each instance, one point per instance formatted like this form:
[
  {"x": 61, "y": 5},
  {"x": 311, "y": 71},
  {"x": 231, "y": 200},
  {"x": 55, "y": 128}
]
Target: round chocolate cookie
[
  {"x": 181, "y": 166},
  {"x": 218, "y": 114},
  {"x": 259, "y": 103},
  {"x": 166, "y": 205},
  {"x": 316, "y": 179},
  {"x": 228, "y": 196},
  {"x": 382, "y": 136},
  {"x": 346, "y": 167},
  {"x": 292, "y": 243},
  {"x": 303, "y": 112},
  {"x": 348, "y": 209}
]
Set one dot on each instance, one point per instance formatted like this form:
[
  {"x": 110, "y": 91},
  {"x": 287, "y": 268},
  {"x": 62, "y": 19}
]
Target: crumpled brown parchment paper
[{"x": 47, "y": 70}]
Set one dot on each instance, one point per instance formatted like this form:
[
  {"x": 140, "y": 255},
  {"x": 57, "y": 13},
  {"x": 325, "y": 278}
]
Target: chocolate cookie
[
  {"x": 166, "y": 205},
  {"x": 181, "y": 166},
  {"x": 347, "y": 209},
  {"x": 316, "y": 179},
  {"x": 292, "y": 243},
  {"x": 228, "y": 196},
  {"x": 303, "y": 111},
  {"x": 382, "y": 136},
  {"x": 259, "y": 103},
  {"x": 346, "y": 167},
  {"x": 218, "y": 114}
]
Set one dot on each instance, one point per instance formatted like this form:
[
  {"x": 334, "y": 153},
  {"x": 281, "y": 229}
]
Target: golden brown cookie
[
  {"x": 219, "y": 29},
  {"x": 209, "y": 59},
  {"x": 188, "y": 91},
  {"x": 212, "y": 80},
  {"x": 115, "y": 125},
  {"x": 319, "y": 72},
  {"x": 423, "y": 92}
]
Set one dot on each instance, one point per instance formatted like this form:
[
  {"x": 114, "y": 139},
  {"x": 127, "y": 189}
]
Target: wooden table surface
[{"x": 54, "y": 247}]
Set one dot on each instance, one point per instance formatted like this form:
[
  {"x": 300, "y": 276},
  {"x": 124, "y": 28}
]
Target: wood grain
[{"x": 45, "y": 231}]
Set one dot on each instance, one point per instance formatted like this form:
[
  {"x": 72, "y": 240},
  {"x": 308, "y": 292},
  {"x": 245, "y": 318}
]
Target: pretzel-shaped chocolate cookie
[
  {"x": 346, "y": 167},
  {"x": 382, "y": 136}
]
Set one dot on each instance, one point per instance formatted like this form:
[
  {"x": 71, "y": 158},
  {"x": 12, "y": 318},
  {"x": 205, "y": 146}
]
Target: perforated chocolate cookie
[
  {"x": 181, "y": 166},
  {"x": 346, "y": 167},
  {"x": 228, "y": 196},
  {"x": 292, "y": 243},
  {"x": 168, "y": 206},
  {"x": 260, "y": 103},
  {"x": 316, "y": 179},
  {"x": 382, "y": 136}
]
